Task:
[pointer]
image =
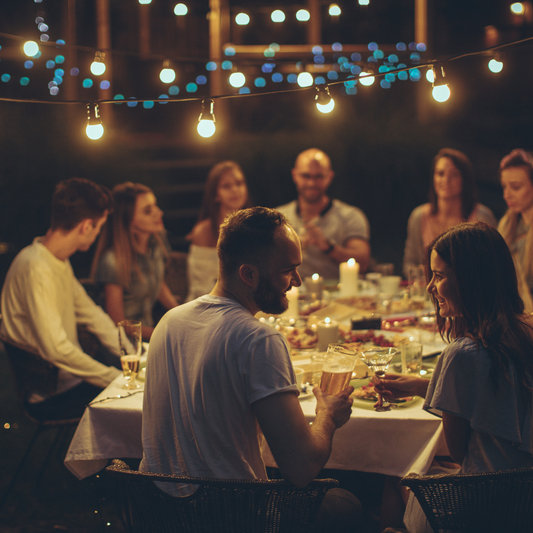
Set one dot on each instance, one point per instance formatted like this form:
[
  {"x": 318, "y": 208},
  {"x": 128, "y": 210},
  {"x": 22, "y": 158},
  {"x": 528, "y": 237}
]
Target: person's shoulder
[
  {"x": 465, "y": 351},
  {"x": 484, "y": 214},
  {"x": 347, "y": 211},
  {"x": 287, "y": 208},
  {"x": 420, "y": 210},
  {"x": 201, "y": 234}
]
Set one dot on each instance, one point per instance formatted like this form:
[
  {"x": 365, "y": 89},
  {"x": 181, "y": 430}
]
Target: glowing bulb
[
  {"x": 142, "y": 2},
  {"x": 94, "y": 129},
  {"x": 180, "y": 10},
  {"x": 237, "y": 79},
  {"x": 441, "y": 93},
  {"x": 303, "y": 15},
  {"x": 206, "y": 122},
  {"x": 495, "y": 66},
  {"x": 324, "y": 102},
  {"x": 206, "y": 128},
  {"x": 334, "y": 10},
  {"x": 430, "y": 75},
  {"x": 31, "y": 48},
  {"x": 364, "y": 2},
  {"x": 94, "y": 132},
  {"x": 98, "y": 65},
  {"x": 366, "y": 78},
  {"x": 277, "y": 16},
  {"x": 242, "y": 19},
  {"x": 167, "y": 74},
  {"x": 517, "y": 8},
  {"x": 305, "y": 79}
]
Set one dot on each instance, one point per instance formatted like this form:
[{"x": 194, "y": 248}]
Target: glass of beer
[
  {"x": 130, "y": 339},
  {"x": 337, "y": 370}
]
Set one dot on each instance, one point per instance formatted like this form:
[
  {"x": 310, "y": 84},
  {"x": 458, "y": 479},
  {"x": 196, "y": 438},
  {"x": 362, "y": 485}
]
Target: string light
[
  {"x": 367, "y": 78},
  {"x": 517, "y": 8},
  {"x": 303, "y": 15},
  {"x": 98, "y": 65},
  {"x": 441, "y": 92},
  {"x": 324, "y": 102},
  {"x": 495, "y": 64},
  {"x": 305, "y": 79},
  {"x": 242, "y": 19},
  {"x": 364, "y": 2},
  {"x": 31, "y": 48},
  {"x": 94, "y": 129},
  {"x": 180, "y": 10},
  {"x": 167, "y": 74},
  {"x": 206, "y": 121},
  {"x": 277, "y": 15},
  {"x": 237, "y": 79},
  {"x": 334, "y": 10},
  {"x": 145, "y": 1}
]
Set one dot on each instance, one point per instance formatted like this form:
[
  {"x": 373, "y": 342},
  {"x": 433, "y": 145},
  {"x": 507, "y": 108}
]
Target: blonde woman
[
  {"x": 516, "y": 176},
  {"x": 130, "y": 257},
  {"x": 225, "y": 192}
]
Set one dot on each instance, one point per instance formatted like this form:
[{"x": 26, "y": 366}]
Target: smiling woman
[
  {"x": 516, "y": 175},
  {"x": 130, "y": 257}
]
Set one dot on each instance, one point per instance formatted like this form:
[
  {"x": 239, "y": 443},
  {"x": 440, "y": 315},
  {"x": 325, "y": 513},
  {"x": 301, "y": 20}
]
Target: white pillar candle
[
  {"x": 348, "y": 277},
  {"x": 293, "y": 309},
  {"x": 328, "y": 332}
]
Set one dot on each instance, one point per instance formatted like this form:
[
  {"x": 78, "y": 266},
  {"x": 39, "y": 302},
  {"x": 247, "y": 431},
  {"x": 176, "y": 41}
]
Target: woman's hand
[{"x": 400, "y": 386}]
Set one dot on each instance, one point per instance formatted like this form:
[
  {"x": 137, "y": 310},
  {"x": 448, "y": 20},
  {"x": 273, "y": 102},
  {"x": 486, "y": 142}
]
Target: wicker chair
[
  {"x": 484, "y": 502},
  {"x": 33, "y": 374},
  {"x": 218, "y": 505}
]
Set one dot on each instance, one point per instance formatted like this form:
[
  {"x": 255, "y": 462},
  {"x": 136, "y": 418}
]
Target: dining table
[{"x": 396, "y": 442}]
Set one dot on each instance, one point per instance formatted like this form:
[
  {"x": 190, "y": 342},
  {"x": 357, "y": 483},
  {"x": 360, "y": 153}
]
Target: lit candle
[
  {"x": 349, "y": 276},
  {"x": 313, "y": 287},
  {"x": 328, "y": 332},
  {"x": 292, "y": 296}
]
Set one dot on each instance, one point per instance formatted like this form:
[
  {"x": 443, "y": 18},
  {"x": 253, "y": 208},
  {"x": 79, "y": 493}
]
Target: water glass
[
  {"x": 411, "y": 358},
  {"x": 130, "y": 340}
]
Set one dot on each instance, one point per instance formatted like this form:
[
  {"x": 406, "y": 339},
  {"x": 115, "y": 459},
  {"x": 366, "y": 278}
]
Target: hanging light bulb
[
  {"x": 98, "y": 65},
  {"x": 206, "y": 121},
  {"x": 367, "y": 78},
  {"x": 324, "y": 102},
  {"x": 334, "y": 10},
  {"x": 495, "y": 64},
  {"x": 237, "y": 79},
  {"x": 441, "y": 92},
  {"x": 430, "y": 75},
  {"x": 167, "y": 74},
  {"x": 31, "y": 48},
  {"x": 94, "y": 129}
]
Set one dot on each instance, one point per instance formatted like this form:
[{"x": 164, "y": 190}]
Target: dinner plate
[{"x": 363, "y": 403}]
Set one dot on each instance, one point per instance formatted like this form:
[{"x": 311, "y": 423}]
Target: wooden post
[
  {"x": 314, "y": 28},
  {"x": 103, "y": 42}
]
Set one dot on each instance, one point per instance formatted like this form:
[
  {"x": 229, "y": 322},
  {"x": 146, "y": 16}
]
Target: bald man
[{"x": 330, "y": 231}]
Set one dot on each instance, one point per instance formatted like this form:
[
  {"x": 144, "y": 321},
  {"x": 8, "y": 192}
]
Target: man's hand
[
  {"x": 400, "y": 386},
  {"x": 314, "y": 236},
  {"x": 338, "y": 406}
]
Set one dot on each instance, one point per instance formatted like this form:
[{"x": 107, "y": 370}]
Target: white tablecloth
[{"x": 396, "y": 442}]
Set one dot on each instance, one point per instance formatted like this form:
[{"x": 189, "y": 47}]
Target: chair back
[
  {"x": 217, "y": 505},
  {"x": 487, "y": 502},
  {"x": 32, "y": 373}
]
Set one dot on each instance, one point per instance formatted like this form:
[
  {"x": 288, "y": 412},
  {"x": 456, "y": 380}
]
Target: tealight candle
[
  {"x": 293, "y": 309},
  {"x": 328, "y": 332},
  {"x": 349, "y": 277}
]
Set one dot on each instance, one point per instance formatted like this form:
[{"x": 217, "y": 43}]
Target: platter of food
[{"x": 364, "y": 396}]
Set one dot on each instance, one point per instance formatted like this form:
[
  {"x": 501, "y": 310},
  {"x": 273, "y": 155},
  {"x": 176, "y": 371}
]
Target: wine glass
[
  {"x": 378, "y": 360},
  {"x": 129, "y": 336}
]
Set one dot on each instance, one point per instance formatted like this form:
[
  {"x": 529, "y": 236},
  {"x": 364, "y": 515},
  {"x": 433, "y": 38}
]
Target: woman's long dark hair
[
  {"x": 468, "y": 191},
  {"x": 491, "y": 311}
]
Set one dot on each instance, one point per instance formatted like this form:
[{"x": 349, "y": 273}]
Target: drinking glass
[
  {"x": 378, "y": 360},
  {"x": 338, "y": 367},
  {"x": 130, "y": 339}
]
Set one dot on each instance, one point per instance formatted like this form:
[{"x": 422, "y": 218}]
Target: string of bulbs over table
[{"x": 206, "y": 126}]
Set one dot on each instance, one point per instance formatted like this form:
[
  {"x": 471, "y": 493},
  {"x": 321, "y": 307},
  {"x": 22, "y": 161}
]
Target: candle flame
[
  {"x": 351, "y": 262},
  {"x": 327, "y": 320},
  {"x": 315, "y": 277}
]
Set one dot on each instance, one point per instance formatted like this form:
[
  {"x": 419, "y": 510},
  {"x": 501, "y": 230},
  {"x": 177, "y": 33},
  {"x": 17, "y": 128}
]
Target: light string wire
[{"x": 428, "y": 64}]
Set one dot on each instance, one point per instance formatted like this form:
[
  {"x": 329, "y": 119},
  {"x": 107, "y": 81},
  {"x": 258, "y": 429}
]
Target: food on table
[
  {"x": 359, "y": 341},
  {"x": 307, "y": 309},
  {"x": 367, "y": 392},
  {"x": 301, "y": 338},
  {"x": 365, "y": 303}
]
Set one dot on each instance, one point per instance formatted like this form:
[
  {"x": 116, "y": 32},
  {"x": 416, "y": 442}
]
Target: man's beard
[{"x": 268, "y": 300}]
